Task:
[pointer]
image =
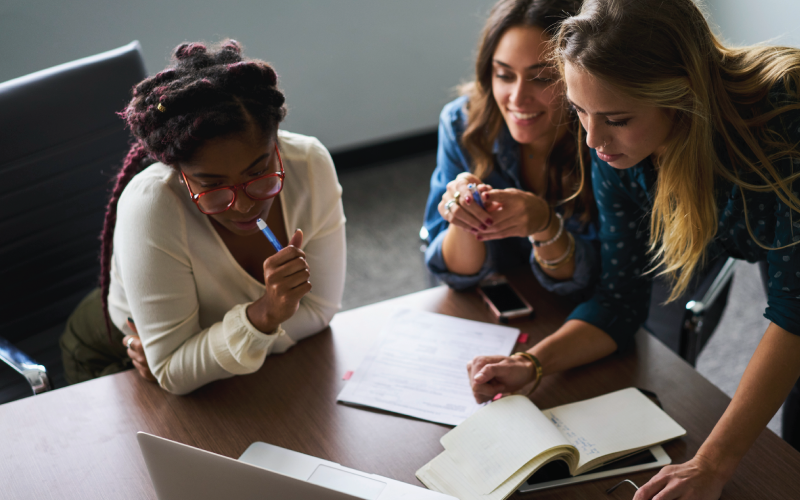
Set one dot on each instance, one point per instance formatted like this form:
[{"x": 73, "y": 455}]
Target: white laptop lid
[{"x": 179, "y": 471}]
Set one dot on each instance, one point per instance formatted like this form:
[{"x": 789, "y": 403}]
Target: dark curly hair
[{"x": 204, "y": 94}]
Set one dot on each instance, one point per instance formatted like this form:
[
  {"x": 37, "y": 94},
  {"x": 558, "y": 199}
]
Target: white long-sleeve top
[{"x": 172, "y": 273}]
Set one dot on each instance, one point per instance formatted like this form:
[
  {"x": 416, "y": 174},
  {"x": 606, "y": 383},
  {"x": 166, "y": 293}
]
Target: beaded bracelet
[
  {"x": 554, "y": 238},
  {"x": 555, "y": 264},
  {"x": 537, "y": 369}
]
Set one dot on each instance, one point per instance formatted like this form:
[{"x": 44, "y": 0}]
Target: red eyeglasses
[{"x": 221, "y": 199}]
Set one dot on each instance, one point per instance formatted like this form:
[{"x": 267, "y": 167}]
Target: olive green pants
[{"x": 86, "y": 349}]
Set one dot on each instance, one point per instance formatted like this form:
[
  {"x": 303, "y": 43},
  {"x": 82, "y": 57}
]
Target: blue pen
[
  {"x": 271, "y": 237},
  {"x": 476, "y": 195}
]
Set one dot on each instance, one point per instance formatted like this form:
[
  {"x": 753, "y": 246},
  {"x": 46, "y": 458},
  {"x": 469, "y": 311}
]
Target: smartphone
[{"x": 503, "y": 300}]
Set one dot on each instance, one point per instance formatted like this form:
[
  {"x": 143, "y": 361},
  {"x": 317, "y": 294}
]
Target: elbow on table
[
  {"x": 178, "y": 383},
  {"x": 178, "y": 391},
  {"x": 326, "y": 314},
  {"x": 312, "y": 317},
  {"x": 169, "y": 385}
]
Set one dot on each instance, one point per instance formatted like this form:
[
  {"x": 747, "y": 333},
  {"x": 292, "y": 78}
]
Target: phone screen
[{"x": 503, "y": 297}]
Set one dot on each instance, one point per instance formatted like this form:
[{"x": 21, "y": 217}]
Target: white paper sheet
[{"x": 417, "y": 366}]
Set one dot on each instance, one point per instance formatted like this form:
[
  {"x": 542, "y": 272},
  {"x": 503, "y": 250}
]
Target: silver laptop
[{"x": 264, "y": 471}]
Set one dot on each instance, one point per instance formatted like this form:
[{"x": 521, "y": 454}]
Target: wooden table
[{"x": 80, "y": 442}]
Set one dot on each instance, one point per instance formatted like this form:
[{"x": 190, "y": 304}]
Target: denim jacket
[{"x": 508, "y": 253}]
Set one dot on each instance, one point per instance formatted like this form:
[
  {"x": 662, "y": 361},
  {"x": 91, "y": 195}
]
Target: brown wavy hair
[
  {"x": 484, "y": 120},
  {"x": 718, "y": 95}
]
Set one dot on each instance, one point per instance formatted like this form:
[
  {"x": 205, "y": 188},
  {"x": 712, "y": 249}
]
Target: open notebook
[{"x": 496, "y": 449}]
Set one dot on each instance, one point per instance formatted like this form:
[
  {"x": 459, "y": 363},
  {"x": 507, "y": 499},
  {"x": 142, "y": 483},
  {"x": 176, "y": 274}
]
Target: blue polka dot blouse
[{"x": 621, "y": 300}]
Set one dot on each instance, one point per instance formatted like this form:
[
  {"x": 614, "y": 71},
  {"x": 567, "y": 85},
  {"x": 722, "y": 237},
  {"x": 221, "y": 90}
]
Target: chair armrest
[
  {"x": 703, "y": 312},
  {"x": 34, "y": 373},
  {"x": 705, "y": 297}
]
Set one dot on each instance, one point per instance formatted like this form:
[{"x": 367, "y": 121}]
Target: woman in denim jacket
[{"x": 512, "y": 137}]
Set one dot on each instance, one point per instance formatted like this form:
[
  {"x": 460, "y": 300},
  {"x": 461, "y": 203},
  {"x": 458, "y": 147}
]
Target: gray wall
[
  {"x": 745, "y": 22},
  {"x": 355, "y": 71}
]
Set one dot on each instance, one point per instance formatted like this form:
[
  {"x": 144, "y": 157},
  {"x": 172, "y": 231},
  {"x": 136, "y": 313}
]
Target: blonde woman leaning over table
[
  {"x": 694, "y": 155},
  {"x": 513, "y": 137},
  {"x": 184, "y": 264}
]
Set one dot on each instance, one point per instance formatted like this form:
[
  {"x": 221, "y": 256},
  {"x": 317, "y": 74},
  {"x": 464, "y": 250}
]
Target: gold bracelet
[
  {"x": 537, "y": 369},
  {"x": 555, "y": 264}
]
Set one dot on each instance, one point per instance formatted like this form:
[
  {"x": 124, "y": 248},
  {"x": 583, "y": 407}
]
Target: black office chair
[
  {"x": 61, "y": 144},
  {"x": 686, "y": 325}
]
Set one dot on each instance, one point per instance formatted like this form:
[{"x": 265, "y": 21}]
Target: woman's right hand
[
  {"x": 286, "y": 278},
  {"x": 493, "y": 375},
  {"x": 465, "y": 214}
]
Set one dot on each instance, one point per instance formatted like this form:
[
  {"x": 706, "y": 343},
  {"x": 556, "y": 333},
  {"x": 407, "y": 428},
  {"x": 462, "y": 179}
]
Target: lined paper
[{"x": 417, "y": 366}]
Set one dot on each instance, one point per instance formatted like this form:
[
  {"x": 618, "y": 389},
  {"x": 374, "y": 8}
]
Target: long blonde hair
[
  {"x": 664, "y": 54},
  {"x": 484, "y": 120}
]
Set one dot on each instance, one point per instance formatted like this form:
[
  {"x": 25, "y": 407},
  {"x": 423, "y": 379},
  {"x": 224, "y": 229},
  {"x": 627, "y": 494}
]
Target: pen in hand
[
  {"x": 268, "y": 233},
  {"x": 476, "y": 195}
]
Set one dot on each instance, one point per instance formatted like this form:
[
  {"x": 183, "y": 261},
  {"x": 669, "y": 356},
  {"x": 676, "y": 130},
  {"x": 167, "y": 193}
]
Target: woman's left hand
[
  {"x": 136, "y": 353},
  {"x": 697, "y": 479},
  {"x": 515, "y": 213}
]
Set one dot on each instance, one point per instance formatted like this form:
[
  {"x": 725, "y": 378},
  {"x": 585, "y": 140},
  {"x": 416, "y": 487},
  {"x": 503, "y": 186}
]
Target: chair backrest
[{"x": 61, "y": 144}]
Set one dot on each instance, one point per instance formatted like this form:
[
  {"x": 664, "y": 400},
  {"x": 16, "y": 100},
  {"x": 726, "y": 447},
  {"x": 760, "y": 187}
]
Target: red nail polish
[
  {"x": 473, "y": 231},
  {"x": 468, "y": 200},
  {"x": 483, "y": 227},
  {"x": 479, "y": 238},
  {"x": 489, "y": 222}
]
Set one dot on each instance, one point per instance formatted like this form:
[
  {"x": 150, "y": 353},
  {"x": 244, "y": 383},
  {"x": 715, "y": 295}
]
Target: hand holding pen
[
  {"x": 462, "y": 204},
  {"x": 476, "y": 195},
  {"x": 286, "y": 281},
  {"x": 516, "y": 213}
]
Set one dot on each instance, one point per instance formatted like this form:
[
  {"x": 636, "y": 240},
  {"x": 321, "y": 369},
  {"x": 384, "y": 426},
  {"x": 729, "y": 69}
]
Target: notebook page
[
  {"x": 616, "y": 422},
  {"x": 498, "y": 440},
  {"x": 417, "y": 366},
  {"x": 443, "y": 475}
]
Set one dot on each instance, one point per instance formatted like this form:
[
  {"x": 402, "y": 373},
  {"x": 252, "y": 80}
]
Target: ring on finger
[
  {"x": 449, "y": 205},
  {"x": 456, "y": 198},
  {"x": 130, "y": 340}
]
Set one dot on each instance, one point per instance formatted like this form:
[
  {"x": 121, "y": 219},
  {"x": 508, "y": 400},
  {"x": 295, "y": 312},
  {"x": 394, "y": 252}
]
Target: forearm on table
[
  {"x": 576, "y": 343},
  {"x": 462, "y": 252},
  {"x": 770, "y": 375},
  {"x": 189, "y": 367},
  {"x": 230, "y": 347}
]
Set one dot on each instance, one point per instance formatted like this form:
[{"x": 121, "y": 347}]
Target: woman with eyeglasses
[
  {"x": 512, "y": 137},
  {"x": 695, "y": 155},
  {"x": 191, "y": 290}
]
